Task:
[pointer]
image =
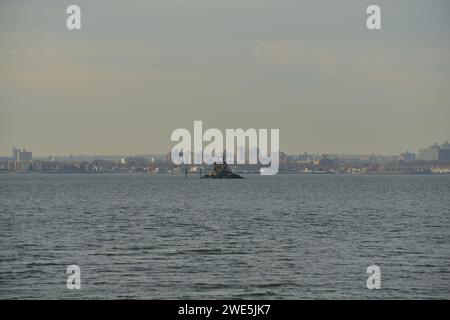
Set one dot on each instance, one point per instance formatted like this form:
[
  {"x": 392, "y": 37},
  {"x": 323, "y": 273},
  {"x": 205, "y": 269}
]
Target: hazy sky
[{"x": 137, "y": 70}]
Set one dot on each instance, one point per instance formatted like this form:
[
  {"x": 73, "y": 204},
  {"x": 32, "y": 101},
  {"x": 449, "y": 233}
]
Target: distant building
[
  {"x": 15, "y": 154},
  {"x": 305, "y": 157},
  {"x": 429, "y": 154},
  {"x": 373, "y": 158},
  {"x": 23, "y": 155},
  {"x": 408, "y": 156},
  {"x": 444, "y": 155},
  {"x": 328, "y": 160}
]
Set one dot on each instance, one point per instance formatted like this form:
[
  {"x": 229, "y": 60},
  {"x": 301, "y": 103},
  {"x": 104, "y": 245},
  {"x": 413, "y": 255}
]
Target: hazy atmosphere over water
[
  {"x": 139, "y": 69},
  {"x": 111, "y": 186}
]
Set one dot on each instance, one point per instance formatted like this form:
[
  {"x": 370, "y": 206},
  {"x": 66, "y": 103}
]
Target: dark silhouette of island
[{"x": 222, "y": 171}]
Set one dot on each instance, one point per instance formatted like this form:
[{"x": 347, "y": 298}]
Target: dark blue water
[{"x": 280, "y": 237}]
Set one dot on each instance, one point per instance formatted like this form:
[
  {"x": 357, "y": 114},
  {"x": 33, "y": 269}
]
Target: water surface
[{"x": 282, "y": 237}]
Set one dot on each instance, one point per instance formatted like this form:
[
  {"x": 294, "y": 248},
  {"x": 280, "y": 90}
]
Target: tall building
[
  {"x": 429, "y": 154},
  {"x": 444, "y": 155},
  {"x": 23, "y": 155},
  {"x": 15, "y": 153},
  {"x": 435, "y": 153}
]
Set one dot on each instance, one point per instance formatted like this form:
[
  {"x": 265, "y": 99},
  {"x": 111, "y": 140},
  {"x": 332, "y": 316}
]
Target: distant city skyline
[
  {"x": 15, "y": 152},
  {"x": 137, "y": 70}
]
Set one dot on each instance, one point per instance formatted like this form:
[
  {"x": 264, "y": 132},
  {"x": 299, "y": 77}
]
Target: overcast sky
[{"x": 137, "y": 70}]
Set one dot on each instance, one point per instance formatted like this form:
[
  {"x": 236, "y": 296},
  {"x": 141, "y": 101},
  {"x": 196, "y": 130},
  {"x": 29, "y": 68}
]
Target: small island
[{"x": 222, "y": 171}]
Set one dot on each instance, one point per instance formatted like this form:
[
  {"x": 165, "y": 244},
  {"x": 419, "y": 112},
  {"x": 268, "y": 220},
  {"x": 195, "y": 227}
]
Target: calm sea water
[{"x": 282, "y": 237}]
